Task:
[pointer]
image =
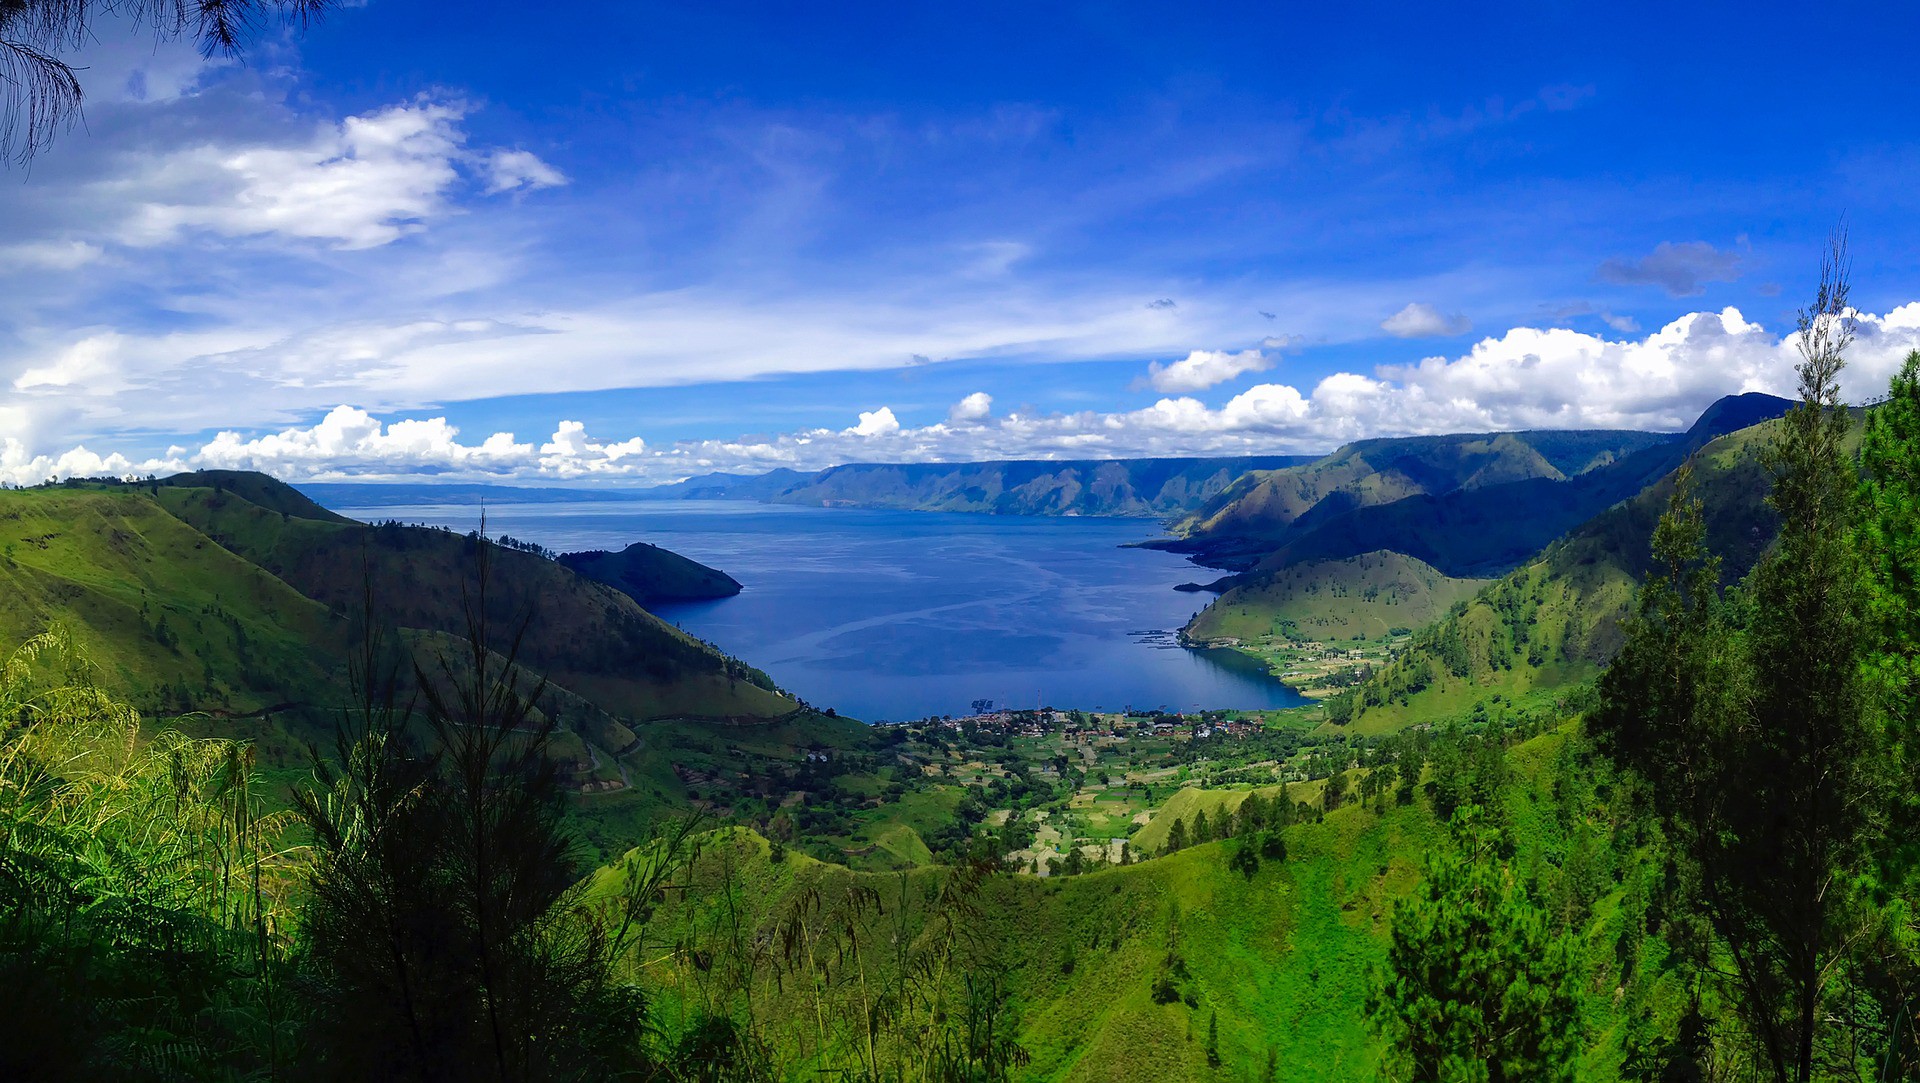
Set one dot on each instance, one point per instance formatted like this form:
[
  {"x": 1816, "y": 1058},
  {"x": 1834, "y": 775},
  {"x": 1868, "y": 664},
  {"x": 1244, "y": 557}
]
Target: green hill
[
  {"x": 1556, "y": 620},
  {"x": 230, "y": 594},
  {"x": 174, "y": 621},
  {"x": 586, "y": 636},
  {"x": 648, "y": 574},
  {"x": 1366, "y": 596},
  {"x": 1489, "y": 530}
]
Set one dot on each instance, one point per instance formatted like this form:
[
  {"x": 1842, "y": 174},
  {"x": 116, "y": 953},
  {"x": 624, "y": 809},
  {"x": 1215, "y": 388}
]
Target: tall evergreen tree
[
  {"x": 1478, "y": 988},
  {"x": 446, "y": 933},
  {"x": 1750, "y": 723},
  {"x": 1803, "y": 754}
]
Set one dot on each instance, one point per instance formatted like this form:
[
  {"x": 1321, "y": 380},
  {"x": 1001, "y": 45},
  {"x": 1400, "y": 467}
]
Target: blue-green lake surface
[{"x": 888, "y": 615}]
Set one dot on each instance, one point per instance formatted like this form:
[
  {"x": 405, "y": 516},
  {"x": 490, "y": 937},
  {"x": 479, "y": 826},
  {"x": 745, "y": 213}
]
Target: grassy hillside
[
  {"x": 1556, "y": 620},
  {"x": 1360, "y": 597},
  {"x": 1123, "y": 973},
  {"x": 174, "y": 621},
  {"x": 648, "y": 574},
  {"x": 588, "y": 637},
  {"x": 1141, "y": 487}
]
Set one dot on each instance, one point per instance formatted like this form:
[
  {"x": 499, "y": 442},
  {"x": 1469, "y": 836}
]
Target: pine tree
[
  {"x": 1890, "y": 544},
  {"x": 1750, "y": 721},
  {"x": 1802, "y": 756},
  {"x": 1477, "y": 987}
]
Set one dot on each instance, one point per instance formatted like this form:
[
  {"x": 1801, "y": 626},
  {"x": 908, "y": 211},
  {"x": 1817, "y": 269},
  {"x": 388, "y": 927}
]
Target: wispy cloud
[
  {"x": 1422, "y": 320},
  {"x": 1683, "y": 270}
]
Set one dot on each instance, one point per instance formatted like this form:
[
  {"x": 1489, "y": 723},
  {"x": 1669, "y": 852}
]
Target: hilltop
[
  {"x": 1360, "y": 597},
  {"x": 590, "y": 638}
]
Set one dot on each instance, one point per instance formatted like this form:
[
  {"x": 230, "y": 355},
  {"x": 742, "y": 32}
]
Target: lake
[{"x": 889, "y": 615}]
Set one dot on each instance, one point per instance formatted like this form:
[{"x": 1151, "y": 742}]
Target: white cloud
[
  {"x": 519, "y": 171},
  {"x": 1526, "y": 378},
  {"x": 362, "y": 182},
  {"x": 50, "y": 255},
  {"x": 879, "y": 422},
  {"x": 975, "y": 407},
  {"x": 1202, "y": 369},
  {"x": 1421, "y": 320}
]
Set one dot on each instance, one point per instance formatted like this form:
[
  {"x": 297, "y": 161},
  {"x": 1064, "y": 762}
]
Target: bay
[{"x": 893, "y": 615}]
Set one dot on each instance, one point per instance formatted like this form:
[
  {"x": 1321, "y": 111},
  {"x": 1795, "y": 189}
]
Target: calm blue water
[{"x": 900, "y": 615}]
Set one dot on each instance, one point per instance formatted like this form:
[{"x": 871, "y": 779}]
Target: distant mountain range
[{"x": 1146, "y": 488}]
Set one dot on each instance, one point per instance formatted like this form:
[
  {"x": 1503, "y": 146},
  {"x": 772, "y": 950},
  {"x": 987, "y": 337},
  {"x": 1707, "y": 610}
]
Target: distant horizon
[{"x": 603, "y": 484}]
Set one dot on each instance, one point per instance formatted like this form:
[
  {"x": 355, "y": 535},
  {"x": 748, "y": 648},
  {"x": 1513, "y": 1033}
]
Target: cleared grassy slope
[
  {"x": 1556, "y": 620},
  {"x": 586, "y": 636},
  {"x": 1363, "y": 596},
  {"x": 174, "y": 621}
]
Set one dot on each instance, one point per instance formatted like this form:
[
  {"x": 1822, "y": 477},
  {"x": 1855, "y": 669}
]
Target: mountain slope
[
  {"x": 1488, "y": 530},
  {"x": 1364, "y": 596},
  {"x": 1262, "y": 511},
  {"x": 173, "y": 621},
  {"x": 1556, "y": 620},
  {"x": 586, "y": 636},
  {"x": 1123, "y": 487}
]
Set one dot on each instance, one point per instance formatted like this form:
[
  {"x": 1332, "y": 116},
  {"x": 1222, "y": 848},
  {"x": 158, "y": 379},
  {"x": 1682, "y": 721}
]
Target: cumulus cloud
[
  {"x": 1683, "y": 270},
  {"x": 879, "y": 422},
  {"x": 1202, "y": 369},
  {"x": 1526, "y": 378},
  {"x": 975, "y": 407},
  {"x": 1420, "y": 320}
]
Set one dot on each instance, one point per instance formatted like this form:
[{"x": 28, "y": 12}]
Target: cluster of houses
[{"x": 1080, "y": 725}]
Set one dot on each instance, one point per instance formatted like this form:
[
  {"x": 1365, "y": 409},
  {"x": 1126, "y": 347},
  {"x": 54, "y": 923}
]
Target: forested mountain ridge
[
  {"x": 589, "y": 637},
  {"x": 1120, "y": 487},
  {"x": 1555, "y": 621},
  {"x": 1141, "y": 488},
  {"x": 1468, "y": 505}
]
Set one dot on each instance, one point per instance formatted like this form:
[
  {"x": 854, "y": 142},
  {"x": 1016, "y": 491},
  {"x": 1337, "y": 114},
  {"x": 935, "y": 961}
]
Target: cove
[{"x": 893, "y": 615}]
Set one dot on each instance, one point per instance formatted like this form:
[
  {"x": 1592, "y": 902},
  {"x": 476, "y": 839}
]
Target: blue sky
[{"x": 631, "y": 242}]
